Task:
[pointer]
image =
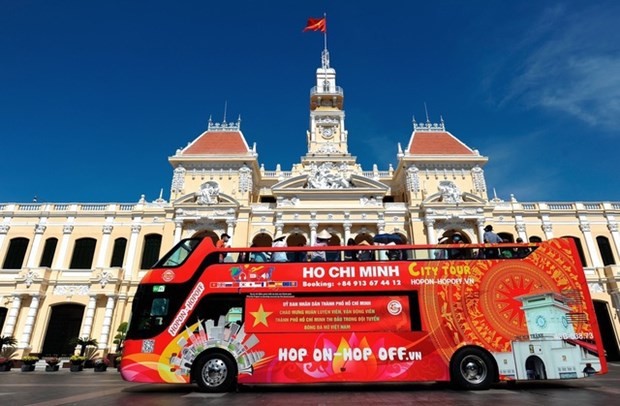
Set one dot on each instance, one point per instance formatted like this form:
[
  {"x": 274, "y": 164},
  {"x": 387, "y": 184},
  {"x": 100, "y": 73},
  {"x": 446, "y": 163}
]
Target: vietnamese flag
[{"x": 316, "y": 24}]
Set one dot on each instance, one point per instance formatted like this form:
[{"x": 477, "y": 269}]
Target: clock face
[
  {"x": 564, "y": 321},
  {"x": 540, "y": 321},
  {"x": 328, "y": 132}
]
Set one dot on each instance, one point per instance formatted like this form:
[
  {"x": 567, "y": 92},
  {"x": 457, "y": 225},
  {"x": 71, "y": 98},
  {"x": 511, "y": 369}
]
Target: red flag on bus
[{"x": 316, "y": 24}]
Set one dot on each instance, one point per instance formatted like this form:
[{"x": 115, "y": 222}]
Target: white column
[
  {"x": 105, "y": 241},
  {"x": 521, "y": 231},
  {"x": 131, "y": 251},
  {"x": 11, "y": 317},
  {"x": 89, "y": 316},
  {"x": 430, "y": 231},
  {"x": 587, "y": 236},
  {"x": 178, "y": 229},
  {"x": 347, "y": 232},
  {"x": 30, "y": 318},
  {"x": 230, "y": 229},
  {"x": 64, "y": 245},
  {"x": 313, "y": 226},
  {"x": 613, "y": 229},
  {"x": 4, "y": 229},
  {"x": 480, "y": 230},
  {"x": 381, "y": 226},
  {"x": 548, "y": 230},
  {"x": 39, "y": 229},
  {"x": 107, "y": 322}
]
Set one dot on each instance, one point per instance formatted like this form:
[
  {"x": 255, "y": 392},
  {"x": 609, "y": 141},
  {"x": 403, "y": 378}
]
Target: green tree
[{"x": 119, "y": 338}]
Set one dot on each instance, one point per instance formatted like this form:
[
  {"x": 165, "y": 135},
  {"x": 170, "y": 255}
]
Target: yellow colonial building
[{"x": 71, "y": 269}]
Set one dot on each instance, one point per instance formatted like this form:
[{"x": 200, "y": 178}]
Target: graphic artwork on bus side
[{"x": 202, "y": 336}]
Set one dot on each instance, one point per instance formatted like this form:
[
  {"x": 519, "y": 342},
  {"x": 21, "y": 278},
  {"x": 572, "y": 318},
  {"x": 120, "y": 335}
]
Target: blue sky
[{"x": 96, "y": 95}]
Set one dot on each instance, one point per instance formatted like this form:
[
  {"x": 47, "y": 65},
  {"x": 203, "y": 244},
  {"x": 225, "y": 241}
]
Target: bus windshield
[{"x": 178, "y": 254}]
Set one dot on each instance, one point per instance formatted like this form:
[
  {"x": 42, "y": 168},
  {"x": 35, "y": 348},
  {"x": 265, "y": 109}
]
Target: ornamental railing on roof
[
  {"x": 277, "y": 174},
  {"x": 428, "y": 126},
  {"x": 224, "y": 126},
  {"x": 93, "y": 207},
  {"x": 375, "y": 174},
  {"x": 560, "y": 206}
]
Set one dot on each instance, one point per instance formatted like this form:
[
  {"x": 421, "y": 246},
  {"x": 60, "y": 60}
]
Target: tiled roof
[
  {"x": 437, "y": 143},
  {"x": 218, "y": 143}
]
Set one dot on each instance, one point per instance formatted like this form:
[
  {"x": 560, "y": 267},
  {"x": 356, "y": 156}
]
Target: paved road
[{"x": 41, "y": 388}]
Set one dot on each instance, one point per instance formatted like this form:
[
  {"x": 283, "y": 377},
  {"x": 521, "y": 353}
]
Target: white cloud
[{"x": 569, "y": 62}]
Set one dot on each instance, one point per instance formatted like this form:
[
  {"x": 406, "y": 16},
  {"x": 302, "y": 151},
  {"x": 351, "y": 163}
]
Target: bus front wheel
[
  {"x": 472, "y": 368},
  {"x": 215, "y": 372}
]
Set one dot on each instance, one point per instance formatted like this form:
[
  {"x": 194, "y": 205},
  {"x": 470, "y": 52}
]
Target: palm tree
[
  {"x": 83, "y": 342},
  {"x": 8, "y": 341}
]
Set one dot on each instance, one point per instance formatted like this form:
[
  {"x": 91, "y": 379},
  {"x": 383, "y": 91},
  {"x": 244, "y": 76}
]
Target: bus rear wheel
[
  {"x": 215, "y": 372},
  {"x": 473, "y": 368}
]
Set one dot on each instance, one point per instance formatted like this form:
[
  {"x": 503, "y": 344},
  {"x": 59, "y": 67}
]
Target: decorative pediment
[
  {"x": 198, "y": 199},
  {"x": 357, "y": 183},
  {"x": 464, "y": 197}
]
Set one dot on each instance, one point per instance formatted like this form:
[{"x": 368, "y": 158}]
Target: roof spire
[
  {"x": 225, "y": 107},
  {"x": 426, "y": 111}
]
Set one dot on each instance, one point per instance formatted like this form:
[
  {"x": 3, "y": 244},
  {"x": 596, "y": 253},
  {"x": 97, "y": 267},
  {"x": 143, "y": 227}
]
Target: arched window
[
  {"x": 48, "y": 252},
  {"x": 150, "y": 251},
  {"x": 535, "y": 238},
  {"x": 16, "y": 254},
  {"x": 83, "y": 253},
  {"x": 118, "y": 252},
  {"x": 582, "y": 255},
  {"x": 3, "y": 312},
  {"x": 605, "y": 249}
]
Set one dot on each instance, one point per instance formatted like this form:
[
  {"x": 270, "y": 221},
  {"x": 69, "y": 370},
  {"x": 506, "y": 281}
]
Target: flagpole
[{"x": 325, "y": 33}]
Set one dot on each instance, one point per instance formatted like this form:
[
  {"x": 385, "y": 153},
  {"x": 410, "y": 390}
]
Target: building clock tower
[{"x": 327, "y": 134}]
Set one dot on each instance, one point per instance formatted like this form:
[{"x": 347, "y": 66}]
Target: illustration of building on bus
[{"x": 552, "y": 349}]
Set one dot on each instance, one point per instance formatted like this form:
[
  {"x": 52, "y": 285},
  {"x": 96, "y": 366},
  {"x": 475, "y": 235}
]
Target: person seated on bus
[
  {"x": 392, "y": 254},
  {"x": 350, "y": 255},
  {"x": 505, "y": 252},
  {"x": 520, "y": 252},
  {"x": 321, "y": 241},
  {"x": 365, "y": 255},
  {"x": 456, "y": 253},
  {"x": 258, "y": 256},
  {"x": 441, "y": 253},
  {"x": 278, "y": 242}
]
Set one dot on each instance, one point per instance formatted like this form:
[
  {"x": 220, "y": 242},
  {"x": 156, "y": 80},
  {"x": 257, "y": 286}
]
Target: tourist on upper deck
[
  {"x": 278, "y": 242},
  {"x": 321, "y": 241},
  {"x": 491, "y": 238},
  {"x": 350, "y": 255},
  {"x": 365, "y": 255},
  {"x": 223, "y": 242},
  {"x": 520, "y": 252},
  {"x": 456, "y": 253}
]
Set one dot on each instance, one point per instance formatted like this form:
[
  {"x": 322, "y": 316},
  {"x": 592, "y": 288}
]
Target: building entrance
[{"x": 63, "y": 327}]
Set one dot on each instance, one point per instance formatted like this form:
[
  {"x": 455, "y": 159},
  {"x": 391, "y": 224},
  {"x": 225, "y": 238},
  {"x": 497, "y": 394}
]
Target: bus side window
[
  {"x": 159, "y": 309},
  {"x": 213, "y": 307}
]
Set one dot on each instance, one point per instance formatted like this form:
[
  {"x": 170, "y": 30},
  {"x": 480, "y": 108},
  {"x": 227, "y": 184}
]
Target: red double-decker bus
[{"x": 217, "y": 318}]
